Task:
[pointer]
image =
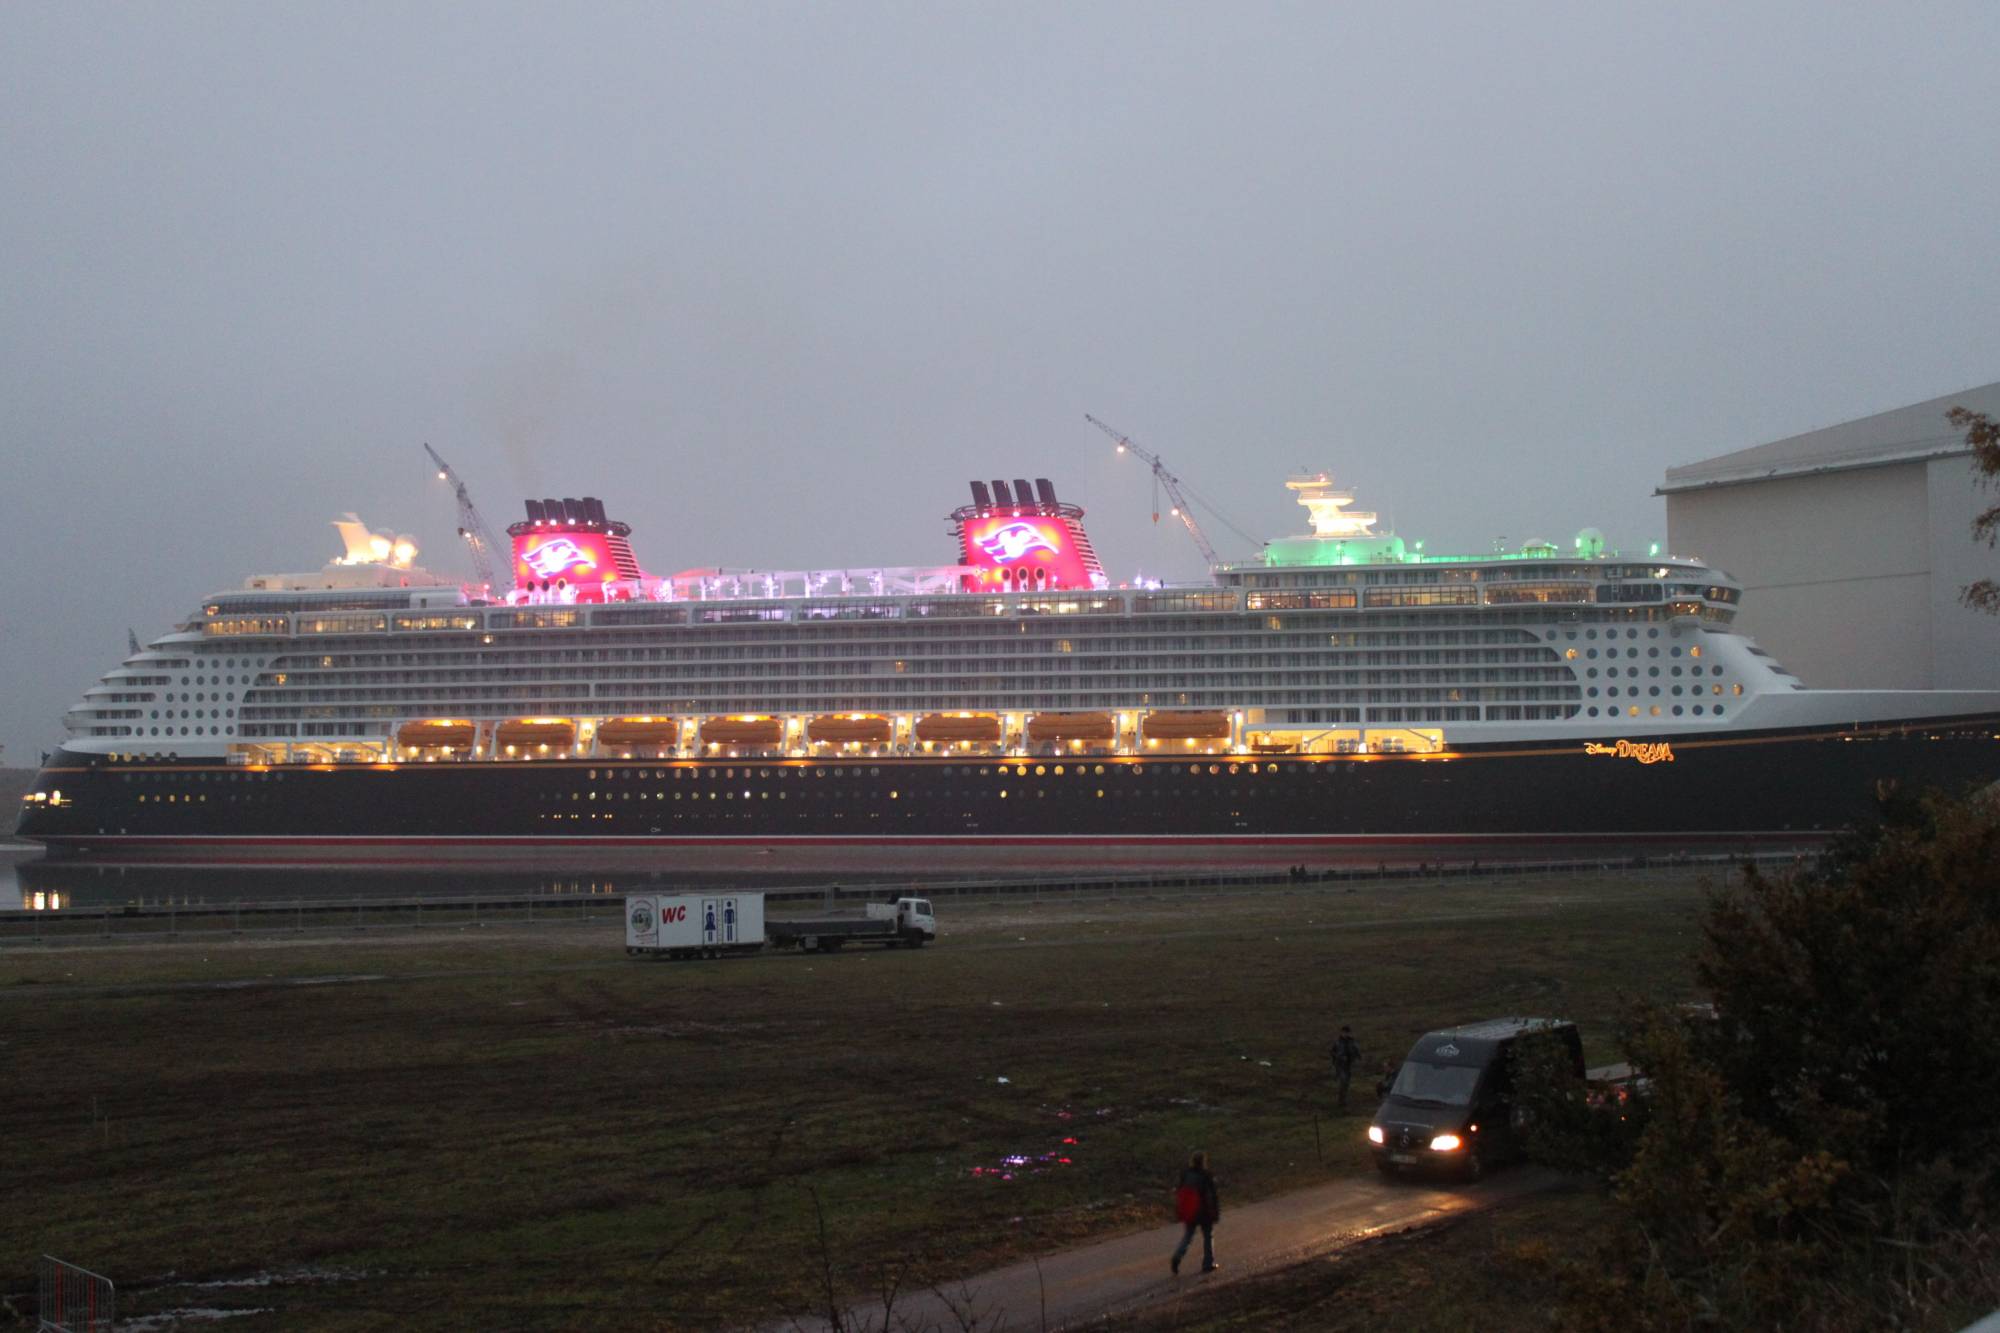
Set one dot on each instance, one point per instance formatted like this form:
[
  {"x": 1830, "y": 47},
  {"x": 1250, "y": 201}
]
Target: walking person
[
  {"x": 1196, "y": 1205},
  {"x": 1346, "y": 1055}
]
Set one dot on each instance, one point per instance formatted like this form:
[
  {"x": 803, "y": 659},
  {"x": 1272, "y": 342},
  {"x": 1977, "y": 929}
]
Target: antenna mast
[{"x": 472, "y": 527}]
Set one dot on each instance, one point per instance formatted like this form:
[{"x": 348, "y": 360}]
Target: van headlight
[
  {"x": 1374, "y": 1133},
  {"x": 1445, "y": 1143}
]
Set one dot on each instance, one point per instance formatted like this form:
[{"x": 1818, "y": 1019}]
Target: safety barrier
[{"x": 73, "y": 1300}]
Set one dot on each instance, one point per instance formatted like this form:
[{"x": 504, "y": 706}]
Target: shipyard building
[{"x": 1852, "y": 544}]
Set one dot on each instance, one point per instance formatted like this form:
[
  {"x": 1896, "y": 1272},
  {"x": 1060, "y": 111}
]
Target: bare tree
[{"x": 1982, "y": 433}]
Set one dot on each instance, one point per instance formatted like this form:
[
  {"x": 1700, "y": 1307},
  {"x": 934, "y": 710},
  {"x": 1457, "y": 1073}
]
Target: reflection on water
[{"x": 45, "y": 885}]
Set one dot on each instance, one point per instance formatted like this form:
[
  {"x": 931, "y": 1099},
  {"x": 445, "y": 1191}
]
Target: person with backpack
[
  {"x": 1346, "y": 1055},
  {"x": 1196, "y": 1205}
]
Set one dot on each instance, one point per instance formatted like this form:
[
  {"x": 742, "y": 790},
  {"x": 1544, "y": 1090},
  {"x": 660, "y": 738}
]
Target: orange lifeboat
[
  {"x": 846, "y": 728},
  {"x": 742, "y": 731},
  {"x": 952, "y": 728},
  {"x": 557, "y": 733},
  {"x": 1072, "y": 727},
  {"x": 1185, "y": 726},
  {"x": 436, "y": 734},
  {"x": 645, "y": 732}
]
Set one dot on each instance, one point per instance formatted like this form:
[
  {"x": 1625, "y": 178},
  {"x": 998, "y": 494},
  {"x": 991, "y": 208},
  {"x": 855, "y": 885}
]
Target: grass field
[{"x": 523, "y": 1128}]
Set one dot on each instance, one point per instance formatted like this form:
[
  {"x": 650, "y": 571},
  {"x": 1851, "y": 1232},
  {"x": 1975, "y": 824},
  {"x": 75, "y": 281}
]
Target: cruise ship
[{"x": 1343, "y": 696}]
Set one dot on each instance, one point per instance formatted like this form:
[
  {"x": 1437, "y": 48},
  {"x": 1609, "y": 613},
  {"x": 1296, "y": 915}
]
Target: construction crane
[
  {"x": 472, "y": 527},
  {"x": 1162, "y": 478}
]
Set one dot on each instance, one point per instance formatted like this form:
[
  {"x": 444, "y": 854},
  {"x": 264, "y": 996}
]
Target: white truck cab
[{"x": 912, "y": 916}]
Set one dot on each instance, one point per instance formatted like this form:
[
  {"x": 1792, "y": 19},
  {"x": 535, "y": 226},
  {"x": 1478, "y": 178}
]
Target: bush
[{"x": 1813, "y": 1146}]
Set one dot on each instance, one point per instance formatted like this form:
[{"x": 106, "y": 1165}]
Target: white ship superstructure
[{"x": 1339, "y": 640}]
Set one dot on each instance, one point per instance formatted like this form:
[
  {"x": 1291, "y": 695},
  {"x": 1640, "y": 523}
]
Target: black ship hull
[{"x": 913, "y": 815}]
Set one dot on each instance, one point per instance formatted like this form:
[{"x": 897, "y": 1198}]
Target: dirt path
[{"x": 1130, "y": 1272}]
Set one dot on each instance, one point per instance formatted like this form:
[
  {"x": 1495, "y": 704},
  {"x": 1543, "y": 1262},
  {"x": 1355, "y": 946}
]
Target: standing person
[
  {"x": 1346, "y": 1055},
  {"x": 1385, "y": 1081},
  {"x": 1196, "y": 1205}
]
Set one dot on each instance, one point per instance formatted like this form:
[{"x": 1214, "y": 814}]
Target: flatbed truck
[
  {"x": 712, "y": 925},
  {"x": 906, "y": 923}
]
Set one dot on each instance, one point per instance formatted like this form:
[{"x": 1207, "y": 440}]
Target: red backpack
[{"x": 1187, "y": 1204}]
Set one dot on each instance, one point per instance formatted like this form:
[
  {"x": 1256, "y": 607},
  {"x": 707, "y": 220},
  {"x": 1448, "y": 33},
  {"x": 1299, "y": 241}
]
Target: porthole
[
  {"x": 1040, "y": 771},
  {"x": 1677, "y": 710},
  {"x": 1656, "y": 710}
]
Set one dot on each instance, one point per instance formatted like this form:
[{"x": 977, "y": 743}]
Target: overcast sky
[{"x": 776, "y": 280}]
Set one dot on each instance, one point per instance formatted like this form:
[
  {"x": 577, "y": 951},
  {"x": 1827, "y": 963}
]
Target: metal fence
[
  {"x": 581, "y": 901},
  {"x": 73, "y": 1300}
]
